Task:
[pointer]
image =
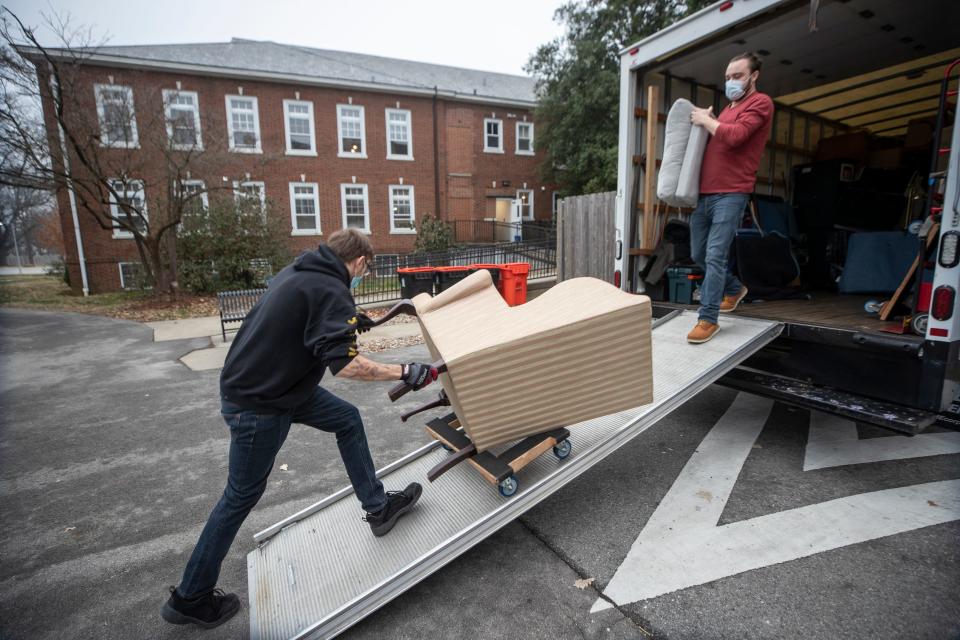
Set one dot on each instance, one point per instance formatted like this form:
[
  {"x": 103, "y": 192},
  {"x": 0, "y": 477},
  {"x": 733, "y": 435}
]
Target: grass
[{"x": 49, "y": 293}]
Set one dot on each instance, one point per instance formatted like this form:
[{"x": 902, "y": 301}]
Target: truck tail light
[
  {"x": 616, "y": 278},
  {"x": 944, "y": 298},
  {"x": 949, "y": 257}
]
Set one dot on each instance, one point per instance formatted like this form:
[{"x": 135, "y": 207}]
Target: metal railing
[
  {"x": 382, "y": 284},
  {"x": 494, "y": 231}
]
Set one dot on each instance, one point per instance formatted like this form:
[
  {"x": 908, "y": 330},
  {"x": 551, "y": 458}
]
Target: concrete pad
[
  {"x": 208, "y": 358},
  {"x": 186, "y": 328},
  {"x": 390, "y": 331}
]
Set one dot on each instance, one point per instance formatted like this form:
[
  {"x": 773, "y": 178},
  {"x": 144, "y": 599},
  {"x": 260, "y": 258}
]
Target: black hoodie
[{"x": 305, "y": 322}]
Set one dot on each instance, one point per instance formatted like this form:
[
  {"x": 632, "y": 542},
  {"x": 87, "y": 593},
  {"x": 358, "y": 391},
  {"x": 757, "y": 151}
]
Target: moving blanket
[
  {"x": 678, "y": 183},
  {"x": 578, "y": 351}
]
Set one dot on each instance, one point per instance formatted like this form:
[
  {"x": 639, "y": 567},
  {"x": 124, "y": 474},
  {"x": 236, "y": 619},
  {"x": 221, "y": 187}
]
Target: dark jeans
[
  {"x": 712, "y": 226},
  {"x": 255, "y": 440}
]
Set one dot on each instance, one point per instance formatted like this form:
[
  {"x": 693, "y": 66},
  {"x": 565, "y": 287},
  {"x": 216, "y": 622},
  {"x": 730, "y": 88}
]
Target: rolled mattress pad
[{"x": 678, "y": 183}]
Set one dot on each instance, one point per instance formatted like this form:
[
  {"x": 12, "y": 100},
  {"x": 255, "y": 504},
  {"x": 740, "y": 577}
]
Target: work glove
[
  {"x": 364, "y": 322},
  {"x": 418, "y": 375}
]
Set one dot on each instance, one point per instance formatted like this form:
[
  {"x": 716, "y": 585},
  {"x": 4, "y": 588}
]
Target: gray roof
[{"x": 259, "y": 58}]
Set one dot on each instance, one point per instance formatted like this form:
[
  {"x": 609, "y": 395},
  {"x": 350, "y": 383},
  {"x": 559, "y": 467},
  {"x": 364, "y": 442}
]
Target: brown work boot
[
  {"x": 729, "y": 303},
  {"x": 702, "y": 331}
]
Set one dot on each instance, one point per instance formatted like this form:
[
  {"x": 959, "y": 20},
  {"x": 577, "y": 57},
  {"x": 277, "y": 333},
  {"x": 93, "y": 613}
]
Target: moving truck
[{"x": 863, "y": 141}]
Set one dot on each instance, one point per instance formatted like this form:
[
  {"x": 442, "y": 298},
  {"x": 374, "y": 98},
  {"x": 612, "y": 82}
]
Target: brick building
[{"x": 332, "y": 139}]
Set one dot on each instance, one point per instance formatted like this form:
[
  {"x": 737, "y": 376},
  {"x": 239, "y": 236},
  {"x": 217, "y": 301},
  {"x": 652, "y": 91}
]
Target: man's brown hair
[
  {"x": 752, "y": 59},
  {"x": 350, "y": 244}
]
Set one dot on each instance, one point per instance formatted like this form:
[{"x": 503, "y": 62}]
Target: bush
[
  {"x": 231, "y": 245},
  {"x": 433, "y": 234}
]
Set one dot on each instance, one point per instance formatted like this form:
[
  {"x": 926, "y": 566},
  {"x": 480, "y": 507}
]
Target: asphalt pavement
[{"x": 112, "y": 453}]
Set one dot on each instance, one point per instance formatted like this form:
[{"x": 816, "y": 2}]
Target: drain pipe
[
  {"x": 436, "y": 160},
  {"x": 70, "y": 192}
]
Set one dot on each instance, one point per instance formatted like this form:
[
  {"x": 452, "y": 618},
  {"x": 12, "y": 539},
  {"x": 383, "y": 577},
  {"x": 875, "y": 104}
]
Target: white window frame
[
  {"x": 101, "y": 115},
  {"x": 366, "y": 205},
  {"x": 517, "y": 149},
  {"x": 168, "y": 96},
  {"x": 204, "y": 194},
  {"x": 520, "y": 204},
  {"x": 497, "y": 149},
  {"x": 394, "y": 229},
  {"x": 363, "y": 132},
  {"x": 312, "y": 151},
  {"x": 237, "y": 194},
  {"x": 119, "y": 233},
  {"x": 409, "y": 114},
  {"x": 123, "y": 285},
  {"x": 256, "y": 124},
  {"x": 293, "y": 209}
]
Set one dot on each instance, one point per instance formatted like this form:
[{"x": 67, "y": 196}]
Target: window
[
  {"x": 132, "y": 276},
  {"x": 524, "y": 138},
  {"x": 118, "y": 122},
  {"x": 554, "y": 203},
  {"x": 399, "y": 135},
  {"x": 182, "y": 109},
  {"x": 243, "y": 124},
  {"x": 305, "y": 208},
  {"x": 298, "y": 116},
  {"x": 525, "y": 196},
  {"x": 350, "y": 130},
  {"x": 402, "y": 209},
  {"x": 131, "y": 207},
  {"x": 492, "y": 135},
  {"x": 356, "y": 212},
  {"x": 195, "y": 201},
  {"x": 250, "y": 191}
]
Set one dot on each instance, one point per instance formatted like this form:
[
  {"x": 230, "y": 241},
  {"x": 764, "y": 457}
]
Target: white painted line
[
  {"x": 681, "y": 546},
  {"x": 826, "y": 448}
]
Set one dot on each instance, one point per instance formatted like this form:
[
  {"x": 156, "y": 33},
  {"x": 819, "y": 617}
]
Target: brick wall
[{"x": 466, "y": 174}]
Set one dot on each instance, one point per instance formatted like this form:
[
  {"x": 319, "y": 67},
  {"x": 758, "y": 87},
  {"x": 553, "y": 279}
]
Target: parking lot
[{"x": 734, "y": 517}]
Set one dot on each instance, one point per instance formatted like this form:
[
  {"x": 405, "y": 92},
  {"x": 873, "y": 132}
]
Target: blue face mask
[
  {"x": 735, "y": 89},
  {"x": 355, "y": 282}
]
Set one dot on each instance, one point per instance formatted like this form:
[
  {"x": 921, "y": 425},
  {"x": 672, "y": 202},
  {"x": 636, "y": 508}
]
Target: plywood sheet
[{"x": 576, "y": 352}]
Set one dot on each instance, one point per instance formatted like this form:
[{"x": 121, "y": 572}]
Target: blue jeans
[
  {"x": 712, "y": 227},
  {"x": 255, "y": 439}
]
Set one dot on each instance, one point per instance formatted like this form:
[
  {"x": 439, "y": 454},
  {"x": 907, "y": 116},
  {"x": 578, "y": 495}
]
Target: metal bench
[{"x": 235, "y": 305}]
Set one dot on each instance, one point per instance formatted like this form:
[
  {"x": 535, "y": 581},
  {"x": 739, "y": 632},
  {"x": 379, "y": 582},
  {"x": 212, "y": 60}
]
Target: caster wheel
[
  {"x": 446, "y": 448},
  {"x": 919, "y": 324},
  {"x": 562, "y": 449},
  {"x": 509, "y": 487},
  {"x": 872, "y": 306}
]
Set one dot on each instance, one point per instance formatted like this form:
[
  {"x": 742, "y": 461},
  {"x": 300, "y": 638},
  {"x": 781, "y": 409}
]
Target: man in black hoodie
[{"x": 305, "y": 323}]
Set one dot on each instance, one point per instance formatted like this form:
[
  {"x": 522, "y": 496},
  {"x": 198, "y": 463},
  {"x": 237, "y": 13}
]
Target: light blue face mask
[
  {"x": 355, "y": 282},
  {"x": 735, "y": 89}
]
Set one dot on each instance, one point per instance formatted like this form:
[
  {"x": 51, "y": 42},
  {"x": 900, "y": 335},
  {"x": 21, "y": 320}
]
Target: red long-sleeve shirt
[{"x": 733, "y": 152}]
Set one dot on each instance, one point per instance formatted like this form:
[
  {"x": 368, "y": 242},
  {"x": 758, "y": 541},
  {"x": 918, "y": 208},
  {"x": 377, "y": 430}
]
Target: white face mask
[{"x": 735, "y": 89}]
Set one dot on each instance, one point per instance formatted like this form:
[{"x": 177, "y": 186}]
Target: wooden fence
[{"x": 586, "y": 236}]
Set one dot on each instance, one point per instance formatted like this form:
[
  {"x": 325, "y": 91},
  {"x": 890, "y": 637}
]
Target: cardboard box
[{"x": 579, "y": 351}]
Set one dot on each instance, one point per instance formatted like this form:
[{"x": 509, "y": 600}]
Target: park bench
[{"x": 235, "y": 305}]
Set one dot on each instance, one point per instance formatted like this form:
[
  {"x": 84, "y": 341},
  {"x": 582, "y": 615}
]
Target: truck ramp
[{"x": 320, "y": 571}]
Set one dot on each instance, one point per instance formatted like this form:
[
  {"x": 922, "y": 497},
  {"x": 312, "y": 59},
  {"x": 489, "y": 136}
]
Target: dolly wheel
[
  {"x": 508, "y": 486},
  {"x": 872, "y": 306},
  {"x": 562, "y": 449},
  {"x": 919, "y": 324}
]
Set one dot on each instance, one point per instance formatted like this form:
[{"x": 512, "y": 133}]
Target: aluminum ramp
[{"x": 320, "y": 571}]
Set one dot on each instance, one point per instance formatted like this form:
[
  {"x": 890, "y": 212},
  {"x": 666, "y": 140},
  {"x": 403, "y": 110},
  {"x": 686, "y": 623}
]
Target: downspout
[
  {"x": 436, "y": 160},
  {"x": 70, "y": 193}
]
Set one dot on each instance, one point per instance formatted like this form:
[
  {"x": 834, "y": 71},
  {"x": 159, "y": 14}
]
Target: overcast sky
[{"x": 493, "y": 35}]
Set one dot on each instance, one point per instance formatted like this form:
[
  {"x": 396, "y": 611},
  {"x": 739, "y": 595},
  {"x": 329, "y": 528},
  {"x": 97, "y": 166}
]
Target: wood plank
[
  {"x": 523, "y": 460},
  {"x": 649, "y": 178}
]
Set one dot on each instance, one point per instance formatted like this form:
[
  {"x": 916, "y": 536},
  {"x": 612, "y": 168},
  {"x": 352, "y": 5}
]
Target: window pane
[
  {"x": 399, "y": 148},
  {"x": 352, "y": 145},
  {"x": 306, "y": 222}
]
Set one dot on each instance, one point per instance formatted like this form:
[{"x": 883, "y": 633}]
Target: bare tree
[{"x": 109, "y": 148}]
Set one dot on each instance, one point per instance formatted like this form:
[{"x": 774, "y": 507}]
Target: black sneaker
[
  {"x": 398, "y": 503},
  {"x": 208, "y": 611}
]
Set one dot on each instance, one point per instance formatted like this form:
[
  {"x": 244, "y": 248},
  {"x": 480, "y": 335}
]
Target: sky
[{"x": 494, "y": 35}]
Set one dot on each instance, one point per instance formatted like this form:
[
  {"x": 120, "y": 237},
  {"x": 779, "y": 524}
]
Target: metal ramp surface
[{"x": 320, "y": 571}]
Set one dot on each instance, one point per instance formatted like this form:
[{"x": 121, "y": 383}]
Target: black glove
[
  {"x": 364, "y": 322},
  {"x": 418, "y": 375}
]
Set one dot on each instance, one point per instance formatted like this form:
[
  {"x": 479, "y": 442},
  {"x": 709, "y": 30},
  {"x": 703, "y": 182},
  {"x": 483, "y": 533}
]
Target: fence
[
  {"x": 494, "y": 231},
  {"x": 586, "y": 236},
  {"x": 382, "y": 284}
]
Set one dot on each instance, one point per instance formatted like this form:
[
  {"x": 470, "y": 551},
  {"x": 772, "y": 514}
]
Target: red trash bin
[{"x": 513, "y": 278}]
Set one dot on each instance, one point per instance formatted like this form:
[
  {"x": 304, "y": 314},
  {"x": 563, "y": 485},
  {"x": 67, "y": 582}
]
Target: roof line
[{"x": 233, "y": 72}]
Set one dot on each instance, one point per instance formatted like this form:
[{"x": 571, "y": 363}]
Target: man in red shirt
[{"x": 727, "y": 178}]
